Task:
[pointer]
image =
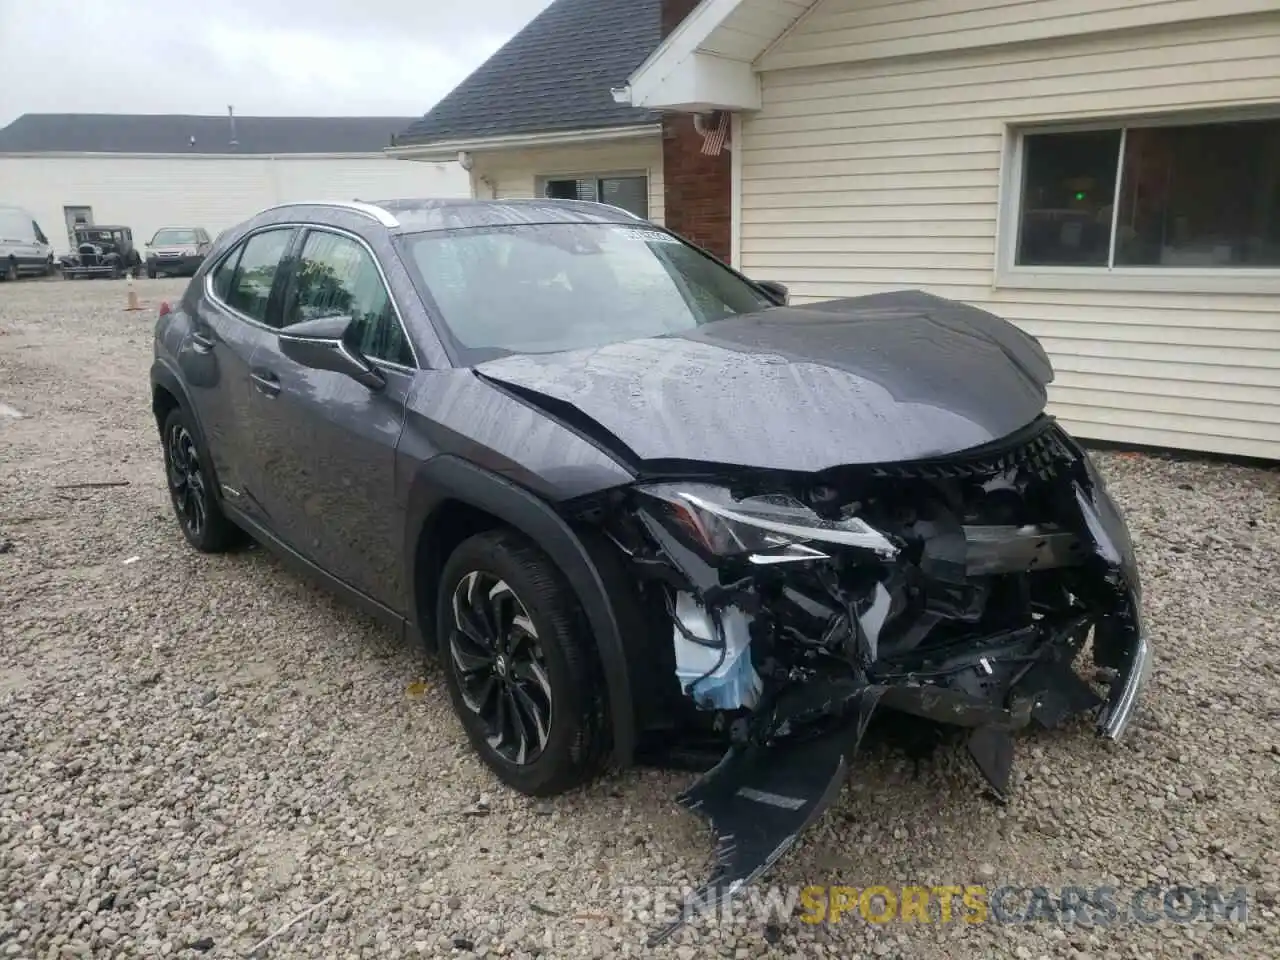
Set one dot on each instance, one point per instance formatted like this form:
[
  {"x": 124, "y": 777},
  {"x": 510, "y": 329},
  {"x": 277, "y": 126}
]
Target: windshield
[
  {"x": 541, "y": 288},
  {"x": 169, "y": 238},
  {"x": 99, "y": 236}
]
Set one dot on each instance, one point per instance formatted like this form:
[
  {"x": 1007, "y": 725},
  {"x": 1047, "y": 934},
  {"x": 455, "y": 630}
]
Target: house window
[
  {"x": 1151, "y": 198},
  {"x": 630, "y": 192}
]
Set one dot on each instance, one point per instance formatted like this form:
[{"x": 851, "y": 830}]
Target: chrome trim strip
[
  {"x": 1120, "y": 708},
  {"x": 794, "y": 553},
  {"x": 371, "y": 210}
]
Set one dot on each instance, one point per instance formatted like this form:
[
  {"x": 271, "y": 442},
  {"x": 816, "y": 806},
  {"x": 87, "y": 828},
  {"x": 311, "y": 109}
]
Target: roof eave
[
  {"x": 449, "y": 149},
  {"x": 682, "y": 74}
]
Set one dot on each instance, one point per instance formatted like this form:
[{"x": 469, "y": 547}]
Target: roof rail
[{"x": 370, "y": 210}]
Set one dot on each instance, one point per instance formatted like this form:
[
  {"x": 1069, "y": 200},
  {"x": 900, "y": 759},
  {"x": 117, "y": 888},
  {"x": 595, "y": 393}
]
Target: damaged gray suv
[{"x": 634, "y": 500}]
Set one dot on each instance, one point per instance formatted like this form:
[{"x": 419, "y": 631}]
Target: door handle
[
  {"x": 268, "y": 383},
  {"x": 201, "y": 344}
]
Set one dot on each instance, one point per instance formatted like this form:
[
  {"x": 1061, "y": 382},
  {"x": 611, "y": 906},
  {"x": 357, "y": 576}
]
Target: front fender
[{"x": 448, "y": 478}]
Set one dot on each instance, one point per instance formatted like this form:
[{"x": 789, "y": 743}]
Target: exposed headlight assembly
[{"x": 770, "y": 529}]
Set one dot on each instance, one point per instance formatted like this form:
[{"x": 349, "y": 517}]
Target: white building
[{"x": 149, "y": 171}]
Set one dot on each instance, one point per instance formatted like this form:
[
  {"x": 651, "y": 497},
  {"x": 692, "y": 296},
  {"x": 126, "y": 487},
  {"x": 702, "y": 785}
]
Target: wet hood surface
[{"x": 877, "y": 379}]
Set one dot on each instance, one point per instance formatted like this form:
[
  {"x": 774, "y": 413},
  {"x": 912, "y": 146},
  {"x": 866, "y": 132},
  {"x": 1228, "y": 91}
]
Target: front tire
[
  {"x": 11, "y": 270},
  {"x": 521, "y": 666},
  {"x": 191, "y": 488}
]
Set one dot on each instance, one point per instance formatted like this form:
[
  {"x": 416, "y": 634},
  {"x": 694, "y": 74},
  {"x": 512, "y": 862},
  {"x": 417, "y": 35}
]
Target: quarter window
[
  {"x": 336, "y": 277},
  {"x": 1203, "y": 195},
  {"x": 250, "y": 289}
]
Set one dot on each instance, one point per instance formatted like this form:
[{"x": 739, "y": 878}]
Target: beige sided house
[{"x": 1104, "y": 173}]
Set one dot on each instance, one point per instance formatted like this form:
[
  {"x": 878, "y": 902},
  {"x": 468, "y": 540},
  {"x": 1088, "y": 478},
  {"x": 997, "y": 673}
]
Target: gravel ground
[{"x": 194, "y": 750}]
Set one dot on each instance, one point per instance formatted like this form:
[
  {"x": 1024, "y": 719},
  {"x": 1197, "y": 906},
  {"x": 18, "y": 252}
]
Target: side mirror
[
  {"x": 776, "y": 291},
  {"x": 325, "y": 344}
]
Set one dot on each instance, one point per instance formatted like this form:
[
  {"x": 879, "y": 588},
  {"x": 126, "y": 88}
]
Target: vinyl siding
[
  {"x": 513, "y": 173},
  {"x": 884, "y": 173},
  {"x": 847, "y": 31},
  {"x": 214, "y": 193}
]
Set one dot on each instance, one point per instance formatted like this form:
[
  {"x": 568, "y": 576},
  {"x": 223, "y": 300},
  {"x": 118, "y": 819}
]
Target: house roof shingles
[
  {"x": 554, "y": 75},
  {"x": 172, "y": 133}
]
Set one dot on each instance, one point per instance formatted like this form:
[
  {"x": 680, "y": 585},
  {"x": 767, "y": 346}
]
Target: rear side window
[
  {"x": 336, "y": 277},
  {"x": 250, "y": 287},
  {"x": 224, "y": 273}
]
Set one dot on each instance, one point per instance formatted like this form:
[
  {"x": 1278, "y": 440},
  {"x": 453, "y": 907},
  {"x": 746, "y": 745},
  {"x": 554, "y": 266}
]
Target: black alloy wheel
[
  {"x": 191, "y": 489},
  {"x": 500, "y": 667},
  {"x": 521, "y": 665},
  {"x": 186, "y": 482}
]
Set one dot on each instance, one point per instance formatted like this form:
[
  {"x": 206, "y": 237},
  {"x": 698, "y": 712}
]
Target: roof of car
[
  {"x": 450, "y": 214},
  {"x": 554, "y": 75},
  {"x": 422, "y": 215}
]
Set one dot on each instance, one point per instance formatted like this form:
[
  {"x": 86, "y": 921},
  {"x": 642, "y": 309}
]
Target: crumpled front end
[{"x": 963, "y": 591}]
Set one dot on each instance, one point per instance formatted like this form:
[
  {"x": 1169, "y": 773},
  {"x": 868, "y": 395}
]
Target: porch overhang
[{"x": 708, "y": 62}]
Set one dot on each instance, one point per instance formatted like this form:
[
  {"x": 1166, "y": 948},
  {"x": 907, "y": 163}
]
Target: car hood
[{"x": 877, "y": 379}]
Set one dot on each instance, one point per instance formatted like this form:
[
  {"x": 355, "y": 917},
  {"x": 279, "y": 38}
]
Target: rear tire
[
  {"x": 11, "y": 270},
  {"x": 195, "y": 505},
  {"x": 524, "y": 676}
]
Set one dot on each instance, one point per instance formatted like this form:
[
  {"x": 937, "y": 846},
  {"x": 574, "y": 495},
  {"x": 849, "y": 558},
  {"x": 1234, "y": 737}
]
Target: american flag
[{"x": 715, "y": 139}]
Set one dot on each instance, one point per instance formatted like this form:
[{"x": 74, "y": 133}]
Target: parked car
[
  {"x": 24, "y": 249},
  {"x": 632, "y": 497},
  {"x": 177, "y": 251},
  {"x": 101, "y": 251}
]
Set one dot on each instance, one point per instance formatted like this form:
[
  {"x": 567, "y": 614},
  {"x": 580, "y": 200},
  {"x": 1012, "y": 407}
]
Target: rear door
[
  {"x": 235, "y": 314},
  {"x": 325, "y": 445}
]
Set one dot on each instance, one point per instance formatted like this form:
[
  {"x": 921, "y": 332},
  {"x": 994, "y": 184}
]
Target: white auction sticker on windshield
[{"x": 649, "y": 236}]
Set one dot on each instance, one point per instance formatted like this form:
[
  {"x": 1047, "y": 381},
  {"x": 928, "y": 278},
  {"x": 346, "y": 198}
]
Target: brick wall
[{"x": 698, "y": 187}]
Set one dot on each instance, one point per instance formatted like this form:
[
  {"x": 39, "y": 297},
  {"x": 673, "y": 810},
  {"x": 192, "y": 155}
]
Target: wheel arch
[
  {"x": 451, "y": 499},
  {"x": 167, "y": 392}
]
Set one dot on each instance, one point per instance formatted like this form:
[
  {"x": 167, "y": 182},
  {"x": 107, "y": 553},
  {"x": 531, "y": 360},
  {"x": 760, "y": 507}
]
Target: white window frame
[
  {"x": 540, "y": 183},
  {"x": 1212, "y": 280}
]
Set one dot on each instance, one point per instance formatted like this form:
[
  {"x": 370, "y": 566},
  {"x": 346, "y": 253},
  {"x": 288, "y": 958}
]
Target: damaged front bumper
[{"x": 963, "y": 593}]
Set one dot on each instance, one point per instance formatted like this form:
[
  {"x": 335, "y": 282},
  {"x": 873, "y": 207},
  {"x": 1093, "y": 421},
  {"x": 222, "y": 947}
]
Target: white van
[{"x": 24, "y": 249}]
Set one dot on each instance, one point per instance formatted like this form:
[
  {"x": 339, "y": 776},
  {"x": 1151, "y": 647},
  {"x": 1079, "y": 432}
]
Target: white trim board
[{"x": 449, "y": 149}]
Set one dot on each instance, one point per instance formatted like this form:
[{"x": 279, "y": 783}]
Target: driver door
[{"x": 324, "y": 445}]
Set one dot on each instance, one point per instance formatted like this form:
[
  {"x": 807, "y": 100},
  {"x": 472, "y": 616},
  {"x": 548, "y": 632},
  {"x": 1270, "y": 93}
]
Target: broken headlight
[{"x": 770, "y": 528}]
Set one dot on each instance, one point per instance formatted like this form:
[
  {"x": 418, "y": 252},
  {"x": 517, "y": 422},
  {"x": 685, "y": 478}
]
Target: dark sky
[{"x": 265, "y": 57}]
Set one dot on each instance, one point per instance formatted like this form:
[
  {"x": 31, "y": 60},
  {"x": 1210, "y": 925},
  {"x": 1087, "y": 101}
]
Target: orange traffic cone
[{"x": 133, "y": 296}]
